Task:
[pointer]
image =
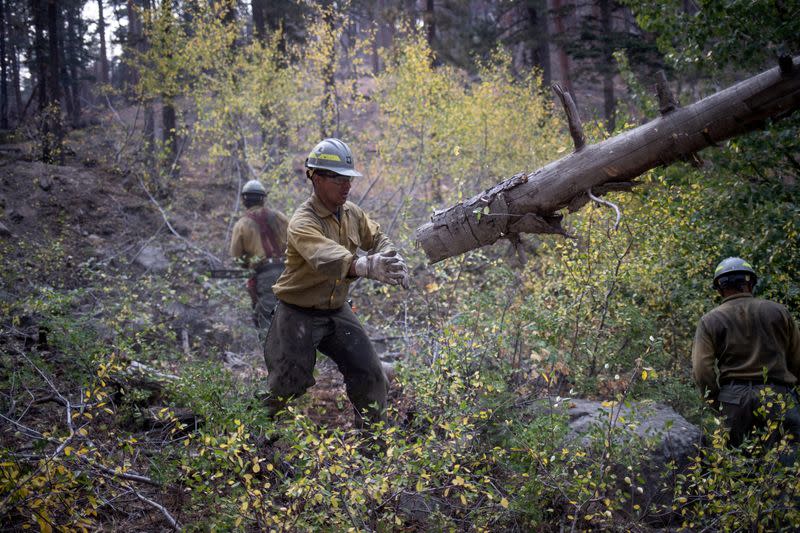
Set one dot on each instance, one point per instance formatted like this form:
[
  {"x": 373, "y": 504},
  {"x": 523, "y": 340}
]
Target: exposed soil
[{"x": 57, "y": 219}]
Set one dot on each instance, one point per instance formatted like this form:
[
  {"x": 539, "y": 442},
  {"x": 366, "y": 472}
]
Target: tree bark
[
  {"x": 560, "y": 32},
  {"x": 429, "y": 16},
  {"x": 16, "y": 83},
  {"x": 54, "y": 52},
  {"x": 169, "y": 136},
  {"x": 73, "y": 55},
  {"x": 37, "y": 6},
  {"x": 3, "y": 70},
  {"x": 54, "y": 99},
  {"x": 537, "y": 17},
  {"x": 63, "y": 61},
  {"x": 609, "y": 100},
  {"x": 260, "y": 19},
  {"x": 328, "y": 123},
  {"x": 101, "y": 35},
  {"x": 169, "y": 125},
  {"x": 18, "y": 39},
  {"x": 136, "y": 41},
  {"x": 149, "y": 133},
  {"x": 529, "y": 203},
  {"x": 39, "y": 20}
]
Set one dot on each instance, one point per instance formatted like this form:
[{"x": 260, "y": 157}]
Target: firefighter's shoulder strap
[{"x": 267, "y": 229}]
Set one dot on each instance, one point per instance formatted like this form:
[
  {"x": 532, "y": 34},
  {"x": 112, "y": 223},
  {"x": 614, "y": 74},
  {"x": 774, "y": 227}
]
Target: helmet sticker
[{"x": 328, "y": 157}]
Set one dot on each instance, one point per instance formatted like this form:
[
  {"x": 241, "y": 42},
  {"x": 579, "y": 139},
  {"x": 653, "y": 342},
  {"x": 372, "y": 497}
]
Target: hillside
[
  {"x": 113, "y": 321},
  {"x": 543, "y": 382}
]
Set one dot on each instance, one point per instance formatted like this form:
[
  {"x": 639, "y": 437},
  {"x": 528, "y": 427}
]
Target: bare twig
[
  {"x": 30, "y": 432},
  {"x": 62, "y": 445},
  {"x": 113, "y": 110},
  {"x": 184, "y": 143},
  {"x": 609, "y": 204},
  {"x": 150, "y": 371},
  {"x": 369, "y": 188},
  {"x": 130, "y": 476},
  {"x": 129, "y": 132},
  {"x": 172, "y": 522},
  {"x": 146, "y": 243},
  {"x": 211, "y": 257}
]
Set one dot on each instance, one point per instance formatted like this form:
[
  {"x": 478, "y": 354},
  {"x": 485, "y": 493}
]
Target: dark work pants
[
  {"x": 740, "y": 403},
  {"x": 290, "y": 354},
  {"x": 266, "y": 301}
]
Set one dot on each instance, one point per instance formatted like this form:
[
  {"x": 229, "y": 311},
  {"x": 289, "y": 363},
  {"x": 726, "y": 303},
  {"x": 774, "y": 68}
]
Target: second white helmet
[{"x": 254, "y": 187}]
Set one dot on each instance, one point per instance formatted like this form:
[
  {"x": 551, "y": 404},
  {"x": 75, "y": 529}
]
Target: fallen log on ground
[{"x": 529, "y": 203}]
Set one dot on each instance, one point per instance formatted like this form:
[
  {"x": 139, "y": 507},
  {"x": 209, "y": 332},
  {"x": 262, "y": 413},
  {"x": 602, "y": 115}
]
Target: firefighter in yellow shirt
[
  {"x": 259, "y": 243},
  {"x": 312, "y": 314}
]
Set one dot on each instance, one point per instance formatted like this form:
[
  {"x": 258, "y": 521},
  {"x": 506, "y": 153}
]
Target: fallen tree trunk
[{"x": 529, "y": 203}]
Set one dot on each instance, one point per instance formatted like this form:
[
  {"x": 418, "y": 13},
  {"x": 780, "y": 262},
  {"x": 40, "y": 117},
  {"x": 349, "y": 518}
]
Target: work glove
[{"x": 386, "y": 267}]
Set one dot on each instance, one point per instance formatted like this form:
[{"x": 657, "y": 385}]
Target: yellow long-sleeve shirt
[
  {"x": 321, "y": 247},
  {"x": 745, "y": 338},
  {"x": 246, "y": 239}
]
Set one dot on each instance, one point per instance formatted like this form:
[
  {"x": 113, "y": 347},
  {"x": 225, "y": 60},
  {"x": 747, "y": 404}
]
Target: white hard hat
[{"x": 254, "y": 187}]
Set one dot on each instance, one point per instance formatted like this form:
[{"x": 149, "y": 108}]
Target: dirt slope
[{"x": 65, "y": 226}]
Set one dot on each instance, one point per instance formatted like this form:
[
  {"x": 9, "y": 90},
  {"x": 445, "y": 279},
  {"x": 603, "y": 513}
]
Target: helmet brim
[{"x": 353, "y": 173}]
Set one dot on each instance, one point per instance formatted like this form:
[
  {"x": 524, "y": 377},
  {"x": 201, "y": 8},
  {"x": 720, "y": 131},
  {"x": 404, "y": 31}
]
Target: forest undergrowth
[{"x": 128, "y": 392}]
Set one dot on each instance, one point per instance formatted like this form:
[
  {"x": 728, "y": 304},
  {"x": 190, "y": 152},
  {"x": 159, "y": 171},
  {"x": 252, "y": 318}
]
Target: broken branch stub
[
  {"x": 530, "y": 202},
  {"x": 666, "y": 101},
  {"x": 573, "y": 118}
]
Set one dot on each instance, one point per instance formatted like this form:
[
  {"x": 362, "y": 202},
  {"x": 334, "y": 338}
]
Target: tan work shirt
[
  {"x": 246, "y": 240},
  {"x": 745, "y": 338},
  {"x": 321, "y": 249}
]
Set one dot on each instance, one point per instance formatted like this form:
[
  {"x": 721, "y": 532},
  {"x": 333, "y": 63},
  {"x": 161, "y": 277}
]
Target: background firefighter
[
  {"x": 259, "y": 243},
  {"x": 745, "y": 351}
]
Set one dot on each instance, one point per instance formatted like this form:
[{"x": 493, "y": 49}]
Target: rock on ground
[
  {"x": 152, "y": 259},
  {"x": 653, "y": 439}
]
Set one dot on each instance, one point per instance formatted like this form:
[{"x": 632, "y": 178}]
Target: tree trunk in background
[
  {"x": 16, "y": 40},
  {"x": 39, "y": 10},
  {"x": 529, "y": 203},
  {"x": 54, "y": 100},
  {"x": 384, "y": 19},
  {"x": 260, "y": 19},
  {"x": 538, "y": 21},
  {"x": 609, "y": 100},
  {"x": 271, "y": 16},
  {"x": 129, "y": 76},
  {"x": 328, "y": 107},
  {"x": 169, "y": 136},
  {"x": 63, "y": 62},
  {"x": 73, "y": 53},
  {"x": 3, "y": 70},
  {"x": 149, "y": 133},
  {"x": 373, "y": 14},
  {"x": 228, "y": 10},
  {"x": 560, "y": 32},
  {"x": 169, "y": 126},
  {"x": 430, "y": 23},
  {"x": 54, "y": 71},
  {"x": 16, "y": 83},
  {"x": 101, "y": 35}
]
